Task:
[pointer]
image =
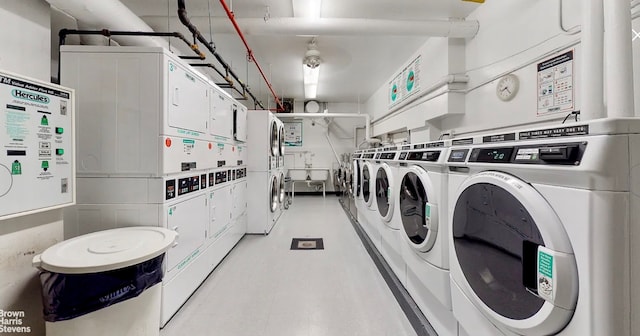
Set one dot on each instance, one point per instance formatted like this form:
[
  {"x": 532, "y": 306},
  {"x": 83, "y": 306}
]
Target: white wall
[
  {"x": 315, "y": 149},
  {"x": 513, "y": 37},
  {"x": 25, "y": 40}
]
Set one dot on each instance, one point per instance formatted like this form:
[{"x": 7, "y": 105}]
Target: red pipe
[{"x": 250, "y": 53}]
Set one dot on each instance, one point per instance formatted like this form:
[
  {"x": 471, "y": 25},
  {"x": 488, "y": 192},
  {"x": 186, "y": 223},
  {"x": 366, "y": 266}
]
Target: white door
[
  {"x": 189, "y": 219},
  {"x": 418, "y": 205},
  {"x": 188, "y": 100},
  {"x": 219, "y": 211},
  {"x": 384, "y": 192}
]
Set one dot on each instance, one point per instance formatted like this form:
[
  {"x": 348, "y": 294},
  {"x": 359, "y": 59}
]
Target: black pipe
[
  {"x": 182, "y": 14},
  {"x": 209, "y": 65}
]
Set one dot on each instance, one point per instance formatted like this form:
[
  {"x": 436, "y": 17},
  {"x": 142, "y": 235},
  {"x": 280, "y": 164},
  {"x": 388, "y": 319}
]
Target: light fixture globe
[{"x": 312, "y": 56}]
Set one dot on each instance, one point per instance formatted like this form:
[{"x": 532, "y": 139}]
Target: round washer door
[
  {"x": 281, "y": 189},
  {"x": 516, "y": 258},
  {"x": 275, "y": 139},
  {"x": 384, "y": 192},
  {"x": 281, "y": 140},
  {"x": 418, "y": 209},
  {"x": 273, "y": 194},
  {"x": 357, "y": 177},
  {"x": 366, "y": 183}
]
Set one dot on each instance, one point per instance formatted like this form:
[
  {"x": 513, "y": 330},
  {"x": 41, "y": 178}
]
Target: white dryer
[
  {"x": 263, "y": 141},
  {"x": 263, "y": 149},
  {"x": 385, "y": 199},
  {"x": 369, "y": 213},
  {"x": 541, "y": 231},
  {"x": 422, "y": 216}
]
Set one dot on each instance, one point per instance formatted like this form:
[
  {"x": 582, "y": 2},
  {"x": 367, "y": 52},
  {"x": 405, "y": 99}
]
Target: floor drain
[{"x": 307, "y": 244}]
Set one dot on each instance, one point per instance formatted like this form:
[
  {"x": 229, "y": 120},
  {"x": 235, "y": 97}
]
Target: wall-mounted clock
[{"x": 507, "y": 87}]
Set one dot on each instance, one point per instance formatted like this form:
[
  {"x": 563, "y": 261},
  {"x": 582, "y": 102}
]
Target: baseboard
[{"x": 316, "y": 193}]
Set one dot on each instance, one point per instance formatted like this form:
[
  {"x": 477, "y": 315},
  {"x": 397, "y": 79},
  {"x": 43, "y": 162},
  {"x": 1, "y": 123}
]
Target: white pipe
[
  {"x": 592, "y": 95},
  {"x": 367, "y": 118},
  {"x": 449, "y": 79},
  {"x": 331, "y": 145},
  {"x": 109, "y": 14},
  {"x": 336, "y": 26},
  {"x": 619, "y": 65}
]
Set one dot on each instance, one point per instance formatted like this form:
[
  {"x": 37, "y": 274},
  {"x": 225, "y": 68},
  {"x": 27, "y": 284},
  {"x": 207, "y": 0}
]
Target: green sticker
[
  {"x": 16, "y": 168},
  {"x": 44, "y": 121},
  {"x": 188, "y": 141},
  {"x": 545, "y": 264},
  {"x": 427, "y": 211}
]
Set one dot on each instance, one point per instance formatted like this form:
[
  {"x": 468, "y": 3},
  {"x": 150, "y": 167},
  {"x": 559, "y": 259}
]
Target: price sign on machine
[
  {"x": 293, "y": 134},
  {"x": 555, "y": 84}
]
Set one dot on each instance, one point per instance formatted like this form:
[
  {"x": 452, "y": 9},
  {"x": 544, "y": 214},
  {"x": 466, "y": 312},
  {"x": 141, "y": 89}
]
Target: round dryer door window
[
  {"x": 273, "y": 197},
  {"x": 281, "y": 141},
  {"x": 384, "y": 197},
  {"x": 356, "y": 172},
  {"x": 275, "y": 139},
  {"x": 514, "y": 253},
  {"x": 281, "y": 189},
  {"x": 366, "y": 179},
  {"x": 417, "y": 209}
]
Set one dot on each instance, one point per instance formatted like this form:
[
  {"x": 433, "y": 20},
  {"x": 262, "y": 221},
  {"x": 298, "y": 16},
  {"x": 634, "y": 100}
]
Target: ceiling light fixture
[{"x": 311, "y": 70}]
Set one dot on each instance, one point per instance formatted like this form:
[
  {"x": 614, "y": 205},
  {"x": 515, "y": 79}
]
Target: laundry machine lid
[
  {"x": 418, "y": 209},
  {"x": 384, "y": 192},
  {"x": 274, "y": 138},
  {"x": 106, "y": 250},
  {"x": 366, "y": 183},
  {"x": 514, "y": 253},
  {"x": 273, "y": 194}
]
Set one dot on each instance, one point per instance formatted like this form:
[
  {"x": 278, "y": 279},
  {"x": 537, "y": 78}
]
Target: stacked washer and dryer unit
[
  {"x": 266, "y": 173},
  {"x": 157, "y": 146}
]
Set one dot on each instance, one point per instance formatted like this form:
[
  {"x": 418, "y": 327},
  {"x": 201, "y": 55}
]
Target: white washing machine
[
  {"x": 422, "y": 217},
  {"x": 263, "y": 149},
  {"x": 386, "y": 177},
  {"x": 357, "y": 184},
  {"x": 369, "y": 212},
  {"x": 541, "y": 231}
]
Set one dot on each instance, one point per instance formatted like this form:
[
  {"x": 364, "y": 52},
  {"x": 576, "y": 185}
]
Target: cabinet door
[
  {"x": 188, "y": 100},
  {"x": 189, "y": 219},
  {"x": 219, "y": 211},
  {"x": 221, "y": 115}
]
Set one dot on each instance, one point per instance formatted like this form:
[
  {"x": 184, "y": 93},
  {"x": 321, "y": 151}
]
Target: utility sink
[{"x": 309, "y": 174}]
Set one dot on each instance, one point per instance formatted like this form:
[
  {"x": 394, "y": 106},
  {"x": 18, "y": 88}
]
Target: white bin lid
[{"x": 106, "y": 250}]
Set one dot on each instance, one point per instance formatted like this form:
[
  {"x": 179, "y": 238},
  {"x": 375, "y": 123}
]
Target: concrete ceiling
[{"x": 353, "y": 65}]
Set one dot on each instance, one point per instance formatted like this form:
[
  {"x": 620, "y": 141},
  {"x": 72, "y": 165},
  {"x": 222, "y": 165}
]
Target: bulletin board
[{"x": 293, "y": 134}]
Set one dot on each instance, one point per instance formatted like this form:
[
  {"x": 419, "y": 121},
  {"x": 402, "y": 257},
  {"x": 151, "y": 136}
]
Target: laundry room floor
[{"x": 264, "y": 288}]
